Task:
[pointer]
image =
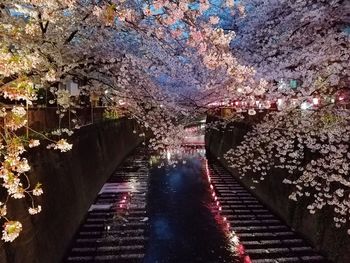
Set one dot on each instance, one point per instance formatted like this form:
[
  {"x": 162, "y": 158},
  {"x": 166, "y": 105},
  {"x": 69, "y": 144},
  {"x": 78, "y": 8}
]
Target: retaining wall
[
  {"x": 71, "y": 181},
  {"x": 319, "y": 228}
]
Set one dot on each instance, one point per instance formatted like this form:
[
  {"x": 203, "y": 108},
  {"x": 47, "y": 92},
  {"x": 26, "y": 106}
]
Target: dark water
[{"x": 182, "y": 225}]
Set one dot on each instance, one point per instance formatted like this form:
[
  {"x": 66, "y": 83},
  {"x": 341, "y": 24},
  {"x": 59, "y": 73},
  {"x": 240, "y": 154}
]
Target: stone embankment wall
[
  {"x": 71, "y": 181},
  {"x": 319, "y": 228}
]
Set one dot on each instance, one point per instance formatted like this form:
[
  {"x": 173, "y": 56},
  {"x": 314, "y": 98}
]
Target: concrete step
[{"x": 264, "y": 237}]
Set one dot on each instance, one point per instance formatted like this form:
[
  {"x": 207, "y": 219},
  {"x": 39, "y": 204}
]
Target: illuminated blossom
[
  {"x": 3, "y": 210},
  {"x": 34, "y": 210},
  {"x": 11, "y": 230},
  {"x": 214, "y": 20},
  {"x": 63, "y": 98},
  {"x": 19, "y": 111},
  {"x": 38, "y": 190},
  {"x": 167, "y": 77},
  {"x": 34, "y": 143},
  {"x": 61, "y": 145}
]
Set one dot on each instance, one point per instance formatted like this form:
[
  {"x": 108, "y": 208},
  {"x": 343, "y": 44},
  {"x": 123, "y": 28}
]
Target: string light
[
  {"x": 280, "y": 104},
  {"x": 251, "y": 112},
  {"x": 247, "y": 259},
  {"x": 305, "y": 105}
]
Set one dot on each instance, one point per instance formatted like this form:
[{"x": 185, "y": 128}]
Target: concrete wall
[
  {"x": 318, "y": 229},
  {"x": 46, "y": 119},
  {"x": 71, "y": 182}
]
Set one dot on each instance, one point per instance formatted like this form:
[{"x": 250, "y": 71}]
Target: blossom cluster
[{"x": 313, "y": 151}]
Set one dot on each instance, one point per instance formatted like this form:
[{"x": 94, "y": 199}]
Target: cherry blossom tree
[
  {"x": 126, "y": 50},
  {"x": 301, "y": 48},
  {"x": 168, "y": 62}
]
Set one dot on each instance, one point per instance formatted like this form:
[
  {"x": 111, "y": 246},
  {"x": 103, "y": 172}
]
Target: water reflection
[
  {"x": 174, "y": 156},
  {"x": 162, "y": 228},
  {"x": 185, "y": 225},
  {"x": 233, "y": 240}
]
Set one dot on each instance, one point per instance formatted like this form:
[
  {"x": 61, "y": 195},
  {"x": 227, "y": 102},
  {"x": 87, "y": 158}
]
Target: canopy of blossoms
[{"x": 169, "y": 62}]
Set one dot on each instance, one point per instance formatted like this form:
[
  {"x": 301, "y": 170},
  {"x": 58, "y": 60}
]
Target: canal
[
  {"x": 177, "y": 207},
  {"x": 183, "y": 218}
]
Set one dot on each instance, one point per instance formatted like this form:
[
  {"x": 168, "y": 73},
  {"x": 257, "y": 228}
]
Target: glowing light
[
  {"x": 168, "y": 155},
  {"x": 280, "y": 104},
  {"x": 234, "y": 239},
  {"x": 293, "y": 84},
  {"x": 267, "y": 104},
  {"x": 282, "y": 85},
  {"x": 251, "y": 112},
  {"x": 247, "y": 259},
  {"x": 315, "y": 101},
  {"x": 241, "y": 249},
  {"x": 304, "y": 106}
]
